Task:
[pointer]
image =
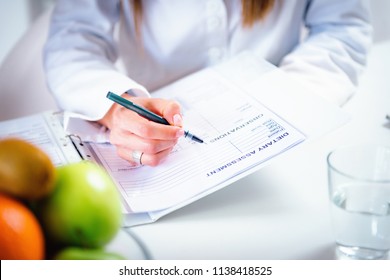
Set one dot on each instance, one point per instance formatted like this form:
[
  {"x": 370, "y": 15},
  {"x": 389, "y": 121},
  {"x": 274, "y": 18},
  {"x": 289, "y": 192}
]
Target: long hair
[{"x": 252, "y": 12}]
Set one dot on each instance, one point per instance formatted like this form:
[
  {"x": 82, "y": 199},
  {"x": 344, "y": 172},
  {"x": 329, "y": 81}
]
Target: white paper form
[
  {"x": 44, "y": 131},
  {"x": 239, "y": 133}
]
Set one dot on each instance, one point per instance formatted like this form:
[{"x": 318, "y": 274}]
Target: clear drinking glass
[{"x": 359, "y": 191}]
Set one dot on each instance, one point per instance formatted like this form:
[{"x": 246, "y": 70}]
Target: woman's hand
[{"x": 133, "y": 134}]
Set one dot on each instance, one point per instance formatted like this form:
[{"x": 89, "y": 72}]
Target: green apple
[
  {"x": 77, "y": 253},
  {"x": 85, "y": 207}
]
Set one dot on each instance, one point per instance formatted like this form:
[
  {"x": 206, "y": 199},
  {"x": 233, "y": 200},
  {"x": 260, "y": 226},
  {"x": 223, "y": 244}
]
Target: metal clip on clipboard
[{"x": 82, "y": 148}]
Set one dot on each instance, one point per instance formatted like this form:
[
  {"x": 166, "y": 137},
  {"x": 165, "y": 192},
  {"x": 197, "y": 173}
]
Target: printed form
[{"x": 239, "y": 133}]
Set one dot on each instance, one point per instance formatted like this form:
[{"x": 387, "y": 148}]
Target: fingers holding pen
[
  {"x": 150, "y": 130},
  {"x": 125, "y": 120},
  {"x": 172, "y": 113},
  {"x": 170, "y": 110},
  {"x": 139, "y": 139}
]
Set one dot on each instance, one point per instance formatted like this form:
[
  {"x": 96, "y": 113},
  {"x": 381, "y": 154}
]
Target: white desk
[{"x": 281, "y": 211}]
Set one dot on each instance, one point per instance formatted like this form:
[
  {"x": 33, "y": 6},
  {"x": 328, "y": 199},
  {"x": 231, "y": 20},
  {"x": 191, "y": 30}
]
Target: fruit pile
[{"x": 48, "y": 212}]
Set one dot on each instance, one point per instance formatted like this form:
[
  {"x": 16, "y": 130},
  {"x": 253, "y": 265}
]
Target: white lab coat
[{"x": 92, "y": 47}]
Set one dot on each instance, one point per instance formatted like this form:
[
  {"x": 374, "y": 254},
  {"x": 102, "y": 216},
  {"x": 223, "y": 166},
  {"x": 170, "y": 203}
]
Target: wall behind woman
[
  {"x": 16, "y": 16},
  {"x": 380, "y": 19}
]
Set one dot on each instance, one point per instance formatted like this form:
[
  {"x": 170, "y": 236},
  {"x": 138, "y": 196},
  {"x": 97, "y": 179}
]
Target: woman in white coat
[{"x": 96, "y": 46}]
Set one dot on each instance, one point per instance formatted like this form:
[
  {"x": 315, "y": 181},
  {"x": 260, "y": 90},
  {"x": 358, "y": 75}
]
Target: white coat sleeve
[
  {"x": 79, "y": 57},
  {"x": 331, "y": 58}
]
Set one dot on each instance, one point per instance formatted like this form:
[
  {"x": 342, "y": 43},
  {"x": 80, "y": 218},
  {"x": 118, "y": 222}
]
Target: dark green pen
[{"x": 146, "y": 113}]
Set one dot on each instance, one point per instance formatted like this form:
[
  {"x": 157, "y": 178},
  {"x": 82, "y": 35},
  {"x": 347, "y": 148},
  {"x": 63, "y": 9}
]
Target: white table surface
[{"x": 281, "y": 211}]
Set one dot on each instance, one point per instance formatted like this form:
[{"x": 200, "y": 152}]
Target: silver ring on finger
[{"x": 137, "y": 157}]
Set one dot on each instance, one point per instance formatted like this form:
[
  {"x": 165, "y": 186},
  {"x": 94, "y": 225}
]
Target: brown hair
[
  {"x": 252, "y": 11},
  {"x": 255, "y": 10}
]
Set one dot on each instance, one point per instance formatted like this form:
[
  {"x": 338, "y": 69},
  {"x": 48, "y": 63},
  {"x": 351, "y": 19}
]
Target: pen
[{"x": 146, "y": 113}]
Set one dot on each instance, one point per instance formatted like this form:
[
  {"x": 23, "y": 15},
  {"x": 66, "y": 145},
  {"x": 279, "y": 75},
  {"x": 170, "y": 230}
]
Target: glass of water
[{"x": 359, "y": 191}]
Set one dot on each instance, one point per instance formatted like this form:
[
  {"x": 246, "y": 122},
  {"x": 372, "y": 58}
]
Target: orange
[{"x": 21, "y": 236}]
